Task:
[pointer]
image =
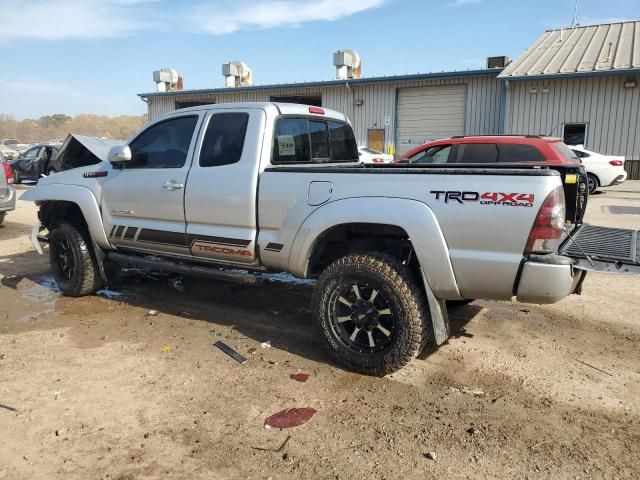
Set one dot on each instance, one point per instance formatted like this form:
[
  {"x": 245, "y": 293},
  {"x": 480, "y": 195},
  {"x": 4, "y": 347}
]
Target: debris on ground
[
  {"x": 595, "y": 368},
  {"x": 299, "y": 377},
  {"x": 469, "y": 391},
  {"x": 430, "y": 455},
  {"x": 291, "y": 417},
  {"x": 275, "y": 450},
  {"x": 152, "y": 313},
  {"x": 231, "y": 352},
  {"x": 266, "y": 344},
  {"x": 252, "y": 350},
  {"x": 7, "y": 407},
  {"x": 166, "y": 348}
]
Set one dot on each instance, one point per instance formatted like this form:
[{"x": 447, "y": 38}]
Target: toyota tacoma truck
[{"x": 226, "y": 190}]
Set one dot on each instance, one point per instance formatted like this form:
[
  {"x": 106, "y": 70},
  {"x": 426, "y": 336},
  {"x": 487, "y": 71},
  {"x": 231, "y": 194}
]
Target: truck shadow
[{"x": 275, "y": 311}]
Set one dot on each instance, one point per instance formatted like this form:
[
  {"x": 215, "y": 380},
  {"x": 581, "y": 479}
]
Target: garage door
[{"x": 427, "y": 113}]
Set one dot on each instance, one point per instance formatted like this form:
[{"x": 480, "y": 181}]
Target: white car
[
  {"x": 603, "y": 170},
  {"x": 369, "y": 155}
]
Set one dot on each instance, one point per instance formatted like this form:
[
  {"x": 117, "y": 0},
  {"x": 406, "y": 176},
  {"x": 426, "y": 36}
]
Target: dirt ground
[{"x": 104, "y": 390}]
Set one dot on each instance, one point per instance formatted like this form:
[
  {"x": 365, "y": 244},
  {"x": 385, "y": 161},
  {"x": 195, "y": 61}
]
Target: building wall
[
  {"x": 610, "y": 111},
  {"x": 482, "y": 109}
]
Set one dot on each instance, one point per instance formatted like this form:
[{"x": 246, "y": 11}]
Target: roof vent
[
  {"x": 498, "y": 62},
  {"x": 237, "y": 74},
  {"x": 167, "y": 80},
  {"x": 348, "y": 64}
]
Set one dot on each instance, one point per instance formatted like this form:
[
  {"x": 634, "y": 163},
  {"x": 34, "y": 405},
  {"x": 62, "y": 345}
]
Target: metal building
[
  {"x": 580, "y": 84},
  {"x": 388, "y": 113}
]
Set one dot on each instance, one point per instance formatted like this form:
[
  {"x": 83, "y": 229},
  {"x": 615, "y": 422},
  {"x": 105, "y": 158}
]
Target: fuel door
[{"x": 319, "y": 193}]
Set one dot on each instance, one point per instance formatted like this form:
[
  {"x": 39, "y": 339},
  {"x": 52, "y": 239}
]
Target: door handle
[{"x": 171, "y": 185}]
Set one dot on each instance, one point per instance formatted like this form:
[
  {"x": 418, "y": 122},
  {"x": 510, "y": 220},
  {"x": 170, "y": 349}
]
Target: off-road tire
[
  {"x": 593, "y": 183},
  {"x": 2, "y": 216},
  {"x": 85, "y": 278},
  {"x": 404, "y": 296}
]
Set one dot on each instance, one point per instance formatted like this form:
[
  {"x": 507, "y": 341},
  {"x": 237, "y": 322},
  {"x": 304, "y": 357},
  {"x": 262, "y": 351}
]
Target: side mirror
[{"x": 119, "y": 154}]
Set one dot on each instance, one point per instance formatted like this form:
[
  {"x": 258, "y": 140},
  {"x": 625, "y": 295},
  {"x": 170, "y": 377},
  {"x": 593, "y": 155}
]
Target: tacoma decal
[
  {"x": 212, "y": 250},
  {"x": 487, "y": 198}
]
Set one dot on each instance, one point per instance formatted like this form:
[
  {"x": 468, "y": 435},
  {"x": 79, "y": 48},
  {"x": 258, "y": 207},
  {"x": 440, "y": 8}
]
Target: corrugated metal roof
[
  {"x": 588, "y": 50},
  {"x": 329, "y": 83}
]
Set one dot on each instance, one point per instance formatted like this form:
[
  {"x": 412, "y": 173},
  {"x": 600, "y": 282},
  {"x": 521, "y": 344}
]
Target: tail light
[
  {"x": 616, "y": 163},
  {"x": 316, "y": 110},
  {"x": 8, "y": 173},
  {"x": 377, "y": 160},
  {"x": 548, "y": 226}
]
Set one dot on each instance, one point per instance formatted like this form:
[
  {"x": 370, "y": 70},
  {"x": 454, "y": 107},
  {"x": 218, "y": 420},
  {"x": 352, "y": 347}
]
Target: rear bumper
[
  {"x": 9, "y": 202},
  {"x": 618, "y": 180},
  {"x": 548, "y": 279}
]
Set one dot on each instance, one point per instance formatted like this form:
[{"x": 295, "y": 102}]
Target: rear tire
[
  {"x": 73, "y": 262},
  {"x": 593, "y": 183},
  {"x": 372, "y": 313}
]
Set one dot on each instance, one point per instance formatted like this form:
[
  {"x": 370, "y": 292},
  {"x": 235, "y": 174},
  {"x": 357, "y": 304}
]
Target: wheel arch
[
  {"x": 393, "y": 219},
  {"x": 74, "y": 200}
]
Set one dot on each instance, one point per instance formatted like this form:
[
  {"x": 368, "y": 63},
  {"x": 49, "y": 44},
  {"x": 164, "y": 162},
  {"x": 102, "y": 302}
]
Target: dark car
[{"x": 34, "y": 163}]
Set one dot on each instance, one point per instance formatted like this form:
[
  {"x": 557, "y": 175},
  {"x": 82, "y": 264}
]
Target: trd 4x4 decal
[{"x": 487, "y": 198}]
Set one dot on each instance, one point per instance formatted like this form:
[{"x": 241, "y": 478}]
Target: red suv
[{"x": 493, "y": 149}]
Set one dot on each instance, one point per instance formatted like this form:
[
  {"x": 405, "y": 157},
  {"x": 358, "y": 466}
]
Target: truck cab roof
[{"x": 276, "y": 108}]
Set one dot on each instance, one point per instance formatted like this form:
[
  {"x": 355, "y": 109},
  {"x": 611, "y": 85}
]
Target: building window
[{"x": 575, "y": 133}]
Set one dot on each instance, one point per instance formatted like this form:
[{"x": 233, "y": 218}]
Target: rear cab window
[{"x": 300, "y": 140}]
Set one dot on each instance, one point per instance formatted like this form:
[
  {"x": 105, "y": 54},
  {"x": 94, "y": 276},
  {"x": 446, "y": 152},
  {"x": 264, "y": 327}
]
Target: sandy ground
[{"x": 101, "y": 389}]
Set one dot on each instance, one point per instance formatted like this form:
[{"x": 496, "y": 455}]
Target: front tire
[
  {"x": 593, "y": 183},
  {"x": 372, "y": 313},
  {"x": 73, "y": 262}
]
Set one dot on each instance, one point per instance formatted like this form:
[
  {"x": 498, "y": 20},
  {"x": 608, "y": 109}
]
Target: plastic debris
[
  {"x": 291, "y": 417},
  {"x": 153, "y": 313},
  {"x": 7, "y": 407},
  {"x": 231, "y": 352},
  {"x": 166, "y": 348},
  {"x": 266, "y": 344},
  {"x": 299, "y": 377}
]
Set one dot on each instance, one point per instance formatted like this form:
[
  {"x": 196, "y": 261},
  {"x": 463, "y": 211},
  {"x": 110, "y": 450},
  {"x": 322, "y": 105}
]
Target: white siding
[
  {"x": 428, "y": 113},
  {"x": 610, "y": 111},
  {"x": 481, "y": 113}
]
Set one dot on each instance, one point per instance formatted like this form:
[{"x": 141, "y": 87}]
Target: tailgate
[{"x": 602, "y": 249}]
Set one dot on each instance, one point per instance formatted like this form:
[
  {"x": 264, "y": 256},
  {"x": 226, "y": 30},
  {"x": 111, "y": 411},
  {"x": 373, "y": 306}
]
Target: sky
[{"x": 95, "y": 56}]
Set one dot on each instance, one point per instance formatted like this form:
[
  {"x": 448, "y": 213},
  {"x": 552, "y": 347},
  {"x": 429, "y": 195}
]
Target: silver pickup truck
[{"x": 278, "y": 187}]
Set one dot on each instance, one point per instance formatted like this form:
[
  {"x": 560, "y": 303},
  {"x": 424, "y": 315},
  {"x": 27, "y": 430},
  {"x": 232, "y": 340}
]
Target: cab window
[
  {"x": 432, "y": 155},
  {"x": 224, "y": 140},
  {"x": 163, "y": 145},
  {"x": 302, "y": 140}
]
